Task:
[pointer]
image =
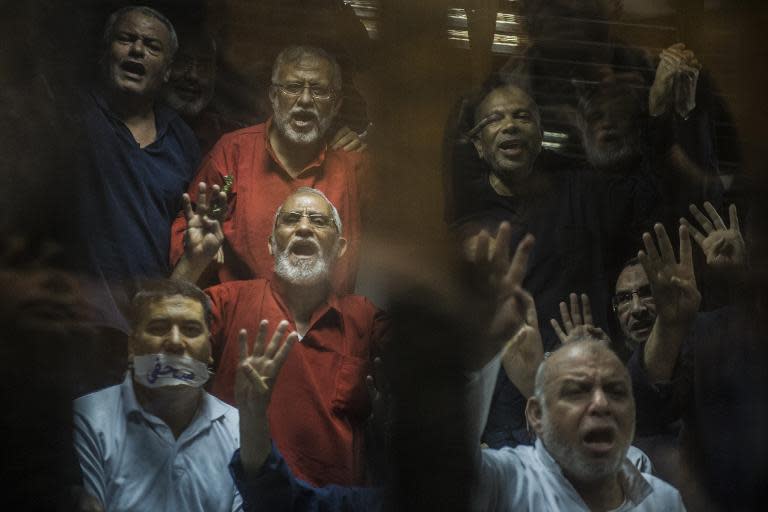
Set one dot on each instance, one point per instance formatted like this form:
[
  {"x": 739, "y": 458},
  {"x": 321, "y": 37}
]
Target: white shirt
[
  {"x": 131, "y": 460},
  {"x": 528, "y": 478}
]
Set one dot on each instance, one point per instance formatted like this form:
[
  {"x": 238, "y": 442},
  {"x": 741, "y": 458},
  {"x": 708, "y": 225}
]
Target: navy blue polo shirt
[{"x": 130, "y": 195}]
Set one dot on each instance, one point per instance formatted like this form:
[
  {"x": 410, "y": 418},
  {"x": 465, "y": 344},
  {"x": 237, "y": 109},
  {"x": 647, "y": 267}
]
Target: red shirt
[
  {"x": 320, "y": 402},
  {"x": 260, "y": 186}
]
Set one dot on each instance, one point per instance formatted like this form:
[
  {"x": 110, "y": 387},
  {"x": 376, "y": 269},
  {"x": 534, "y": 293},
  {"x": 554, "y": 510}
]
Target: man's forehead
[
  {"x": 144, "y": 24},
  {"x": 631, "y": 277},
  {"x": 174, "y": 305},
  {"x": 506, "y": 97},
  {"x": 302, "y": 200},
  {"x": 586, "y": 364},
  {"x": 307, "y": 65}
]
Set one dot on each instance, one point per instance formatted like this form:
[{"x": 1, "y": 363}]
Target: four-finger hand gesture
[
  {"x": 258, "y": 369},
  {"x": 722, "y": 245},
  {"x": 673, "y": 284},
  {"x": 203, "y": 235},
  {"x": 577, "y": 323},
  {"x": 525, "y": 350}
]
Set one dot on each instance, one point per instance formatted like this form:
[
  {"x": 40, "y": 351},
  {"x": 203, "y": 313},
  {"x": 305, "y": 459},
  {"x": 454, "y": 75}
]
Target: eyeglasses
[
  {"x": 318, "y": 220},
  {"x": 294, "y": 89},
  {"x": 622, "y": 300}
]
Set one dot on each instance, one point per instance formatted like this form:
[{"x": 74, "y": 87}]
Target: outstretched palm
[
  {"x": 673, "y": 284},
  {"x": 257, "y": 371},
  {"x": 723, "y": 246},
  {"x": 203, "y": 236}
]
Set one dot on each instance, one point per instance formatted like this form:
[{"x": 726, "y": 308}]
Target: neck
[
  {"x": 293, "y": 157},
  {"x": 130, "y": 107},
  {"x": 302, "y": 300},
  {"x": 175, "y": 405},
  {"x": 600, "y": 495},
  {"x": 499, "y": 186}
]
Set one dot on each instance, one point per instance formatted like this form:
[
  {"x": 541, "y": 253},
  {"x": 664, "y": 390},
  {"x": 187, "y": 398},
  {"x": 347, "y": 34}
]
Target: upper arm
[{"x": 90, "y": 453}]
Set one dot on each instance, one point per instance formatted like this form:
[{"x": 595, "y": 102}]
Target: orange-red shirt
[
  {"x": 320, "y": 402},
  {"x": 260, "y": 186}
]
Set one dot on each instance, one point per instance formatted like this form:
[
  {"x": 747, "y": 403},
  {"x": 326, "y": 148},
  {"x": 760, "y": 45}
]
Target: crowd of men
[{"x": 227, "y": 255}]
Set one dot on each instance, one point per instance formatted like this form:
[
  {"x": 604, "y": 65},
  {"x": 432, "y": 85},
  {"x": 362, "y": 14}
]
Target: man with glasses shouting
[
  {"x": 321, "y": 402},
  {"x": 259, "y": 165}
]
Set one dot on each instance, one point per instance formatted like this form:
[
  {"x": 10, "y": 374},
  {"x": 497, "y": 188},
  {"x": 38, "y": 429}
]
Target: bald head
[{"x": 583, "y": 410}]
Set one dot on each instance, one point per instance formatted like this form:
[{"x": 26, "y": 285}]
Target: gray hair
[
  {"x": 309, "y": 190},
  {"x": 109, "y": 27},
  {"x": 295, "y": 53}
]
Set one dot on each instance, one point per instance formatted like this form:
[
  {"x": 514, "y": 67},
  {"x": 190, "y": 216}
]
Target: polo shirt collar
[
  {"x": 636, "y": 487},
  {"x": 274, "y": 162},
  {"x": 163, "y": 115}
]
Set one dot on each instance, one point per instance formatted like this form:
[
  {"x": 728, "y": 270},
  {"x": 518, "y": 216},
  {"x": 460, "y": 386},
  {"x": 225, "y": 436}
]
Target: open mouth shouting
[
  {"x": 133, "y": 70},
  {"x": 304, "y": 248},
  {"x": 599, "y": 441},
  {"x": 303, "y": 119},
  {"x": 511, "y": 148}
]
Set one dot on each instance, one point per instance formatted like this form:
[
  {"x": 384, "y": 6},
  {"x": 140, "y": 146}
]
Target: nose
[
  {"x": 174, "y": 341},
  {"x": 137, "y": 48},
  {"x": 305, "y": 98},
  {"x": 599, "y": 402},
  {"x": 510, "y": 124},
  {"x": 636, "y": 305},
  {"x": 304, "y": 227}
]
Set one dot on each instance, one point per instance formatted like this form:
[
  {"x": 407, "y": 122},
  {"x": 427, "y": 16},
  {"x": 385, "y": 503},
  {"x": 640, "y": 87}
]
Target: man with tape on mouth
[{"x": 158, "y": 441}]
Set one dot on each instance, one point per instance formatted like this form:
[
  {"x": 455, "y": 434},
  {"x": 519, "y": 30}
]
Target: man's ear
[
  {"x": 478, "y": 146},
  {"x": 270, "y": 242},
  {"x": 534, "y": 413},
  {"x": 337, "y": 106},
  {"x": 341, "y": 245},
  {"x": 272, "y": 93}
]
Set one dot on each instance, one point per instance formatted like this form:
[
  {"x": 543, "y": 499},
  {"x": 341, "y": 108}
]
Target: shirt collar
[
  {"x": 636, "y": 487},
  {"x": 163, "y": 115},
  {"x": 275, "y": 162},
  {"x": 329, "y": 310}
]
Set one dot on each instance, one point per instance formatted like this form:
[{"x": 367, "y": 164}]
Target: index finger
[
  {"x": 716, "y": 219},
  {"x": 686, "y": 254},
  {"x": 500, "y": 255},
  {"x": 242, "y": 339},
  {"x": 519, "y": 263},
  {"x": 282, "y": 354}
]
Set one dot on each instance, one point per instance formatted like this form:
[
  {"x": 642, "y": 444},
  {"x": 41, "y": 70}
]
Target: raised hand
[
  {"x": 348, "y": 140},
  {"x": 673, "y": 283},
  {"x": 258, "y": 370},
  {"x": 723, "y": 246},
  {"x": 675, "y": 62},
  {"x": 381, "y": 400},
  {"x": 525, "y": 350},
  {"x": 203, "y": 236},
  {"x": 254, "y": 381},
  {"x": 577, "y": 324},
  {"x": 500, "y": 276}
]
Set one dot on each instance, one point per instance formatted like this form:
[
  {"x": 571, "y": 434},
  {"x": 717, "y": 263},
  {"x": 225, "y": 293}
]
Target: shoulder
[
  {"x": 243, "y": 134},
  {"x": 663, "y": 496},
  {"x": 359, "y": 310},
  {"x": 237, "y": 289},
  {"x": 101, "y": 408}
]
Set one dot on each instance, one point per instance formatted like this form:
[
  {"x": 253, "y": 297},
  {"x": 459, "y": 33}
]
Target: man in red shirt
[
  {"x": 266, "y": 162},
  {"x": 321, "y": 401}
]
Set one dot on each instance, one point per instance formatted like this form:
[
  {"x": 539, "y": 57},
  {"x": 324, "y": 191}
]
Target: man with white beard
[
  {"x": 321, "y": 401},
  {"x": 262, "y": 164}
]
